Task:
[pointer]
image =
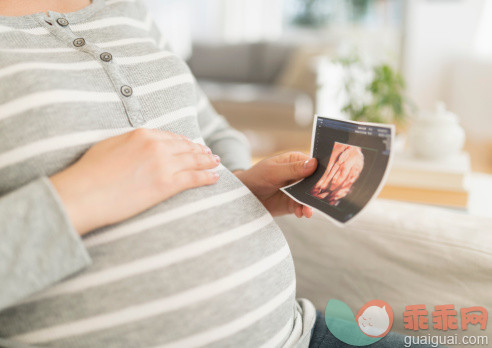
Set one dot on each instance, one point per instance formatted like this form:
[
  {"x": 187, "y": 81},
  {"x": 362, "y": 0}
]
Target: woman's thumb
[{"x": 301, "y": 169}]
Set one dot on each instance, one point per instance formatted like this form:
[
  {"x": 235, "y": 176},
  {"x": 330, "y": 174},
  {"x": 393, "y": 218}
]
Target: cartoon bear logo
[
  {"x": 372, "y": 323},
  {"x": 375, "y": 318}
]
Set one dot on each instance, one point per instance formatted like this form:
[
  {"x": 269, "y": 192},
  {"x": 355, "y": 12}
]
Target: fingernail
[
  {"x": 214, "y": 175},
  {"x": 309, "y": 163},
  {"x": 207, "y": 149},
  {"x": 217, "y": 158}
]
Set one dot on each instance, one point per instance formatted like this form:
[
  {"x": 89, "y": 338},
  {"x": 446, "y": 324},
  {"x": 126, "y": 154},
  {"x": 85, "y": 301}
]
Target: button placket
[
  {"x": 64, "y": 33},
  {"x": 106, "y": 57},
  {"x": 79, "y": 42},
  {"x": 136, "y": 118},
  {"x": 63, "y": 22},
  {"x": 127, "y": 91}
]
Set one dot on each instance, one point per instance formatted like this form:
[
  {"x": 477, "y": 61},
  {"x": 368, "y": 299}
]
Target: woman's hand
[
  {"x": 127, "y": 174},
  {"x": 266, "y": 177}
]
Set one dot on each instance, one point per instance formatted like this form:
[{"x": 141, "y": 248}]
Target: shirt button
[
  {"x": 79, "y": 42},
  {"x": 62, "y": 22},
  {"x": 106, "y": 57},
  {"x": 127, "y": 91}
]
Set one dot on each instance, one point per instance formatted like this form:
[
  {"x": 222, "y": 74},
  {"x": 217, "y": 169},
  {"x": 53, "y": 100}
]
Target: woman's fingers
[
  {"x": 307, "y": 211},
  {"x": 298, "y": 211},
  {"x": 194, "y": 178},
  {"x": 196, "y": 161},
  {"x": 286, "y": 173},
  {"x": 295, "y": 208},
  {"x": 185, "y": 146},
  {"x": 291, "y": 206},
  {"x": 290, "y": 157},
  {"x": 168, "y": 142},
  {"x": 155, "y": 134},
  {"x": 301, "y": 210},
  {"x": 163, "y": 135}
]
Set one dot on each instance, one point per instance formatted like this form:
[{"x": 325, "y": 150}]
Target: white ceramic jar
[{"x": 436, "y": 135}]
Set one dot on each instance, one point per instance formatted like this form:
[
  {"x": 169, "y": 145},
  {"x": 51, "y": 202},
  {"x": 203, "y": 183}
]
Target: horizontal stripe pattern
[
  {"x": 93, "y": 25},
  {"x": 57, "y": 96},
  {"x": 31, "y": 31},
  {"x": 13, "y": 69},
  {"x": 38, "y": 50},
  {"x": 163, "y": 84},
  {"x": 145, "y": 24},
  {"x": 227, "y": 133},
  {"x": 133, "y": 60},
  {"x": 104, "y": 44},
  {"x": 171, "y": 303},
  {"x": 111, "y": 22},
  {"x": 125, "y": 42},
  {"x": 79, "y": 66},
  {"x": 229, "y": 329},
  {"x": 165, "y": 217},
  {"x": 192, "y": 253},
  {"x": 157, "y": 261},
  {"x": 211, "y": 127},
  {"x": 60, "y": 96},
  {"x": 66, "y": 141},
  {"x": 280, "y": 337}
]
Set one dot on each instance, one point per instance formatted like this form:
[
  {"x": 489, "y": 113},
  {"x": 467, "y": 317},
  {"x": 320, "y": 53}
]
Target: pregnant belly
[{"x": 194, "y": 264}]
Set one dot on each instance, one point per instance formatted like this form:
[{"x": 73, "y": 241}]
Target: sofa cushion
[
  {"x": 270, "y": 60},
  {"x": 402, "y": 253},
  {"x": 221, "y": 62},
  {"x": 249, "y": 92},
  {"x": 259, "y": 62}
]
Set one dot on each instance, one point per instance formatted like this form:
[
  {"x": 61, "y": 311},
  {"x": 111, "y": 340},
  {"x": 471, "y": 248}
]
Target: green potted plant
[
  {"x": 375, "y": 94},
  {"x": 310, "y": 14}
]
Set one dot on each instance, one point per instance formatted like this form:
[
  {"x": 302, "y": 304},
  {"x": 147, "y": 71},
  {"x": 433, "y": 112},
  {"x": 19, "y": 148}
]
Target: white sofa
[{"x": 401, "y": 253}]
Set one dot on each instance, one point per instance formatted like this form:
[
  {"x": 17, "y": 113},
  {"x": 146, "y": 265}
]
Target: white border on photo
[{"x": 391, "y": 127}]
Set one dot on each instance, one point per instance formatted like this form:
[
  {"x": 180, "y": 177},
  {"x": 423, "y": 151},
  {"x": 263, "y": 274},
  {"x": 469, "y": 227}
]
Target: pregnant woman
[{"x": 129, "y": 216}]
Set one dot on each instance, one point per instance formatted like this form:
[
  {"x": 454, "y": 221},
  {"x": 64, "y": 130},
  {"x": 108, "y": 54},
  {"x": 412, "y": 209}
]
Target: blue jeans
[{"x": 321, "y": 337}]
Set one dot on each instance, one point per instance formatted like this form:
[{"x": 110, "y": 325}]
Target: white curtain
[
  {"x": 173, "y": 18},
  {"x": 252, "y": 20},
  {"x": 483, "y": 40},
  {"x": 232, "y": 21}
]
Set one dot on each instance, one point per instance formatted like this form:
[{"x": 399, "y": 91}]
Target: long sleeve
[
  {"x": 231, "y": 145},
  {"x": 38, "y": 244},
  {"x": 181, "y": 261}
]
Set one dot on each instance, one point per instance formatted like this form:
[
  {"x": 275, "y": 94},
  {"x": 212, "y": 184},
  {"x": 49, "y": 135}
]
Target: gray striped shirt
[{"x": 208, "y": 267}]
